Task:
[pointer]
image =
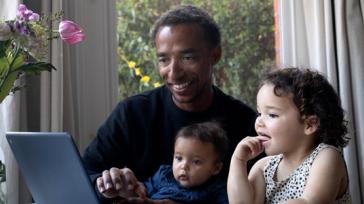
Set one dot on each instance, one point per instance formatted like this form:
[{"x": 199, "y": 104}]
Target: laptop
[{"x": 52, "y": 167}]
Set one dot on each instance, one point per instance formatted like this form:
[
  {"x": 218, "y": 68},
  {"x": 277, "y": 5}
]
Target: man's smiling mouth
[{"x": 181, "y": 86}]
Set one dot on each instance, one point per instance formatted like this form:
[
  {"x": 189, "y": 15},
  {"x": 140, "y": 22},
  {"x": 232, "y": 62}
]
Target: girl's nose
[{"x": 259, "y": 121}]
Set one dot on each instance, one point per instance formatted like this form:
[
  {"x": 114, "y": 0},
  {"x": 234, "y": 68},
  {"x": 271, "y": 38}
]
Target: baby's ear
[
  {"x": 311, "y": 124},
  {"x": 217, "y": 169}
]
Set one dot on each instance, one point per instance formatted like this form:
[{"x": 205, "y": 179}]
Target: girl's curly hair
[{"x": 313, "y": 95}]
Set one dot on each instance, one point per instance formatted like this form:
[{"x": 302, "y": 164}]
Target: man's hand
[{"x": 120, "y": 182}]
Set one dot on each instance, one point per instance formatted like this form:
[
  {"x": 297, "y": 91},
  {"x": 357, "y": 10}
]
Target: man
[{"x": 139, "y": 133}]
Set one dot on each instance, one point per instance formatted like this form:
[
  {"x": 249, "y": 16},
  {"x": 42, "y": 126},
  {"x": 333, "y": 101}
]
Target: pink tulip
[{"x": 70, "y": 32}]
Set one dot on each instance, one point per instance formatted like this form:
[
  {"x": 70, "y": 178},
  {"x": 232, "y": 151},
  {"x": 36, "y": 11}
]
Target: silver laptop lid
[{"x": 52, "y": 167}]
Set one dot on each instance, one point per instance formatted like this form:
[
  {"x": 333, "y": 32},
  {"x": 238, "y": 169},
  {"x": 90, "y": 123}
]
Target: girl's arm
[
  {"x": 327, "y": 180},
  {"x": 241, "y": 187}
]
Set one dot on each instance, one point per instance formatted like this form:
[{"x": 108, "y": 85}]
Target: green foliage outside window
[{"x": 247, "y": 28}]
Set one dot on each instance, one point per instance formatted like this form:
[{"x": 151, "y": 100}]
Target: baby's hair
[
  {"x": 313, "y": 96},
  {"x": 207, "y": 132}
]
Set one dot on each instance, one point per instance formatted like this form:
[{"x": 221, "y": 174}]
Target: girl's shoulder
[
  {"x": 328, "y": 174},
  {"x": 328, "y": 158},
  {"x": 328, "y": 155}
]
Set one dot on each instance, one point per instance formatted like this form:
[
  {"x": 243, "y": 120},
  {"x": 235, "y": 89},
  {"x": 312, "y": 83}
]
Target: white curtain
[
  {"x": 91, "y": 79},
  {"x": 75, "y": 98},
  {"x": 11, "y": 119},
  {"x": 329, "y": 36}
]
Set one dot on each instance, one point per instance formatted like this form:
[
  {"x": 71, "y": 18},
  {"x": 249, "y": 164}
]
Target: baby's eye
[
  {"x": 197, "y": 162},
  {"x": 259, "y": 114},
  {"x": 178, "y": 158}
]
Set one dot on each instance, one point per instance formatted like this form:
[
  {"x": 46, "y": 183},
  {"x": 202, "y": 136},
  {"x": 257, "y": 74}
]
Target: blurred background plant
[{"x": 247, "y": 28}]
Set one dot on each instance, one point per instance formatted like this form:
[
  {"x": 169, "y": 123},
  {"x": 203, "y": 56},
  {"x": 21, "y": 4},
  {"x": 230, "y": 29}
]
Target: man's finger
[
  {"x": 107, "y": 180},
  {"x": 128, "y": 179},
  {"x": 140, "y": 190},
  {"x": 100, "y": 184},
  {"x": 115, "y": 177}
]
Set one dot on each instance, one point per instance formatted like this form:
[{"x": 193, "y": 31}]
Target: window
[{"x": 247, "y": 28}]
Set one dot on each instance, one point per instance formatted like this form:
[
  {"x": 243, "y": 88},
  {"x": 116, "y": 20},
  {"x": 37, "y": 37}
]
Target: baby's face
[{"x": 194, "y": 162}]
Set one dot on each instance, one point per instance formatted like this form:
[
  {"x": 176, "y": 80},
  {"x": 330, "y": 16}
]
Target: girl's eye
[
  {"x": 178, "y": 158},
  {"x": 259, "y": 114},
  {"x": 271, "y": 115}
]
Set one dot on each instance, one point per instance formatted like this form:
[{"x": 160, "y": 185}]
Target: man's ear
[
  {"x": 311, "y": 124},
  {"x": 216, "y": 55},
  {"x": 217, "y": 169}
]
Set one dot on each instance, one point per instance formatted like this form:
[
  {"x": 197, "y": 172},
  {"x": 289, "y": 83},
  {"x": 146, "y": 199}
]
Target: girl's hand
[{"x": 249, "y": 147}]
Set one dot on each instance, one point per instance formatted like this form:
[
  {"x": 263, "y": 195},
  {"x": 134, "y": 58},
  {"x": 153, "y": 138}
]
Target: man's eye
[
  {"x": 188, "y": 58},
  {"x": 162, "y": 60}
]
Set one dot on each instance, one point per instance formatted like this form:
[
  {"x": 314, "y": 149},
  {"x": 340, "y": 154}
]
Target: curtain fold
[
  {"x": 351, "y": 57},
  {"x": 12, "y": 119},
  {"x": 333, "y": 40}
]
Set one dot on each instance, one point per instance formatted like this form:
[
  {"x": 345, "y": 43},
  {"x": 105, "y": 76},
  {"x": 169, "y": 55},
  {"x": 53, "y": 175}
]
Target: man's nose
[{"x": 176, "y": 70}]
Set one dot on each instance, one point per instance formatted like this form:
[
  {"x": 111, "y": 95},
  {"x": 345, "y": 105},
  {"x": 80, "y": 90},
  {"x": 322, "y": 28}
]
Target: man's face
[{"x": 185, "y": 63}]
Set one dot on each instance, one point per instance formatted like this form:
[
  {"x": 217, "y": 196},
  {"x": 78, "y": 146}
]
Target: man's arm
[{"x": 108, "y": 149}]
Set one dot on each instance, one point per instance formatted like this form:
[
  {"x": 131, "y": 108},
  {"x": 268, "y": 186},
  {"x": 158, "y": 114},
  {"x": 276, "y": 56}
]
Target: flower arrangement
[{"x": 24, "y": 44}]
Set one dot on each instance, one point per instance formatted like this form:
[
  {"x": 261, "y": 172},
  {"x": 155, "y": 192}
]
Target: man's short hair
[{"x": 187, "y": 14}]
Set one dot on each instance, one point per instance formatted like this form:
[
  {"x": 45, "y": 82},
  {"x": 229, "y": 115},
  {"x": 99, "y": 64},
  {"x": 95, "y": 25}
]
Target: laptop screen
[{"x": 52, "y": 167}]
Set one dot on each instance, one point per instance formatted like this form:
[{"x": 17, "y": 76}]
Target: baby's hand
[{"x": 249, "y": 147}]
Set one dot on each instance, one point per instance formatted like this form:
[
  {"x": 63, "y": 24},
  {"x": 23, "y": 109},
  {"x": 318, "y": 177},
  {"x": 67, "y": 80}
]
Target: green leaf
[
  {"x": 3, "y": 47},
  {"x": 34, "y": 68},
  {"x": 18, "y": 62},
  {"x": 8, "y": 84},
  {"x": 3, "y": 65}
]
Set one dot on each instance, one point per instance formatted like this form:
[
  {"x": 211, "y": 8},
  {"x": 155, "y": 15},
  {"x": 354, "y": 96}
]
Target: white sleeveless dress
[{"x": 293, "y": 186}]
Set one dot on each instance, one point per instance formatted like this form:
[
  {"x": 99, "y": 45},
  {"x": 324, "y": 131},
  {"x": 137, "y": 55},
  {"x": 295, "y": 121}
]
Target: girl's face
[
  {"x": 194, "y": 162},
  {"x": 278, "y": 119}
]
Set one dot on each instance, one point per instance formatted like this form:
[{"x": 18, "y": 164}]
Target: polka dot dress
[{"x": 293, "y": 186}]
